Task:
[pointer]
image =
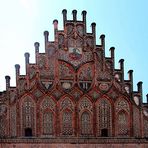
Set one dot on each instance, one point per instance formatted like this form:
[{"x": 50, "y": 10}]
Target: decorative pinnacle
[
  {"x": 112, "y": 49},
  {"x": 84, "y": 19},
  {"x": 27, "y": 55},
  {"x": 102, "y": 37},
  {"x": 139, "y": 85},
  {"x": 36, "y": 45},
  {"x": 130, "y": 72},
  {"x": 84, "y": 13},
  {"x": 7, "y": 78},
  {"x": 64, "y": 11},
  {"x": 55, "y": 23},
  {"x": 7, "y": 82},
  {"x": 121, "y": 61},
  {"x": 93, "y": 25},
  {"x": 46, "y": 34},
  {"x": 17, "y": 69},
  {"x": 17, "y": 66},
  {"x": 74, "y": 12}
]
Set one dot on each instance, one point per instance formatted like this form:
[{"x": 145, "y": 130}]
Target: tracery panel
[
  {"x": 2, "y": 127},
  {"x": 145, "y": 128},
  {"x": 47, "y": 114},
  {"x": 48, "y": 123},
  {"x": 85, "y": 117},
  {"x": 28, "y": 115},
  {"x": 136, "y": 122},
  {"x": 104, "y": 117},
  {"x": 13, "y": 121},
  {"x": 67, "y": 128},
  {"x": 85, "y": 124},
  {"x": 122, "y": 112},
  {"x": 122, "y": 124},
  {"x": 3, "y": 120},
  {"x": 67, "y": 116}
]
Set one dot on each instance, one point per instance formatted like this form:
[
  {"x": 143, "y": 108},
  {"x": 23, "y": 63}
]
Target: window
[
  {"x": 47, "y": 123},
  {"x": 104, "y": 132},
  {"x": 28, "y": 132},
  {"x": 85, "y": 124},
  {"x": 67, "y": 123}
]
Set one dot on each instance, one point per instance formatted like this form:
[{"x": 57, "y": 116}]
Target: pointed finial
[
  {"x": 93, "y": 25},
  {"x": 84, "y": 19},
  {"x": 130, "y": 72},
  {"x": 102, "y": 37},
  {"x": 7, "y": 82},
  {"x": 27, "y": 55},
  {"x": 112, "y": 49},
  {"x": 139, "y": 85},
  {"x": 64, "y": 11},
  {"x": 74, "y": 12},
  {"x": 17, "y": 69},
  {"x": 36, "y": 45},
  {"x": 46, "y": 34},
  {"x": 84, "y": 15},
  {"x": 121, "y": 61},
  {"x": 55, "y": 23}
]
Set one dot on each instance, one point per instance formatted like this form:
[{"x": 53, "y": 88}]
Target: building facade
[{"x": 73, "y": 96}]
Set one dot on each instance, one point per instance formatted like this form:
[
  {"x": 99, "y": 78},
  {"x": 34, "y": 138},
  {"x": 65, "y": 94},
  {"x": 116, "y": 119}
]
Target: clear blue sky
[{"x": 124, "y": 22}]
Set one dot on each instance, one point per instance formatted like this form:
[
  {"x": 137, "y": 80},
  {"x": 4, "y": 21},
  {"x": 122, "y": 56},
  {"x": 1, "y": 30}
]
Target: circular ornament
[
  {"x": 104, "y": 87},
  {"x": 66, "y": 85}
]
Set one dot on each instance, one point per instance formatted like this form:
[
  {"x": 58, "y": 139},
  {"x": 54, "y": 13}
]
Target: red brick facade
[{"x": 73, "y": 96}]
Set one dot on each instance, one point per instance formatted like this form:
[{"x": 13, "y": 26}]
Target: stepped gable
[{"x": 73, "y": 90}]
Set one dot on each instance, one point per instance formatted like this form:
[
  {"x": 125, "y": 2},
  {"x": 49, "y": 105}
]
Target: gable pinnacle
[
  {"x": 46, "y": 34},
  {"x": 64, "y": 11},
  {"x": 139, "y": 85},
  {"x": 27, "y": 55},
  {"x": 84, "y": 18},
  {"x": 7, "y": 82},
  {"x": 74, "y": 12},
  {"x": 55, "y": 23},
  {"x": 102, "y": 37},
  {"x": 17, "y": 69},
  {"x": 36, "y": 45}
]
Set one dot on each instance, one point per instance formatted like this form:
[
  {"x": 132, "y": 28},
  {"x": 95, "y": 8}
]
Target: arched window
[
  {"x": 48, "y": 123},
  {"x": 122, "y": 124},
  {"x": 28, "y": 114},
  {"x": 85, "y": 124},
  {"x": 67, "y": 123},
  {"x": 104, "y": 117}
]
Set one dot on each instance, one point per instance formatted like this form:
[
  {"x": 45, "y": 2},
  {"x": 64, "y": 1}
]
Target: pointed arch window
[
  {"x": 28, "y": 114},
  {"x": 48, "y": 123},
  {"x": 67, "y": 123},
  {"x": 85, "y": 123},
  {"x": 104, "y": 117},
  {"x": 122, "y": 122}
]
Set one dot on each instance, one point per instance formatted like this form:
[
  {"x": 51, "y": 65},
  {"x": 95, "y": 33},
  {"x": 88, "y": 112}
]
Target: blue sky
[{"x": 124, "y": 22}]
